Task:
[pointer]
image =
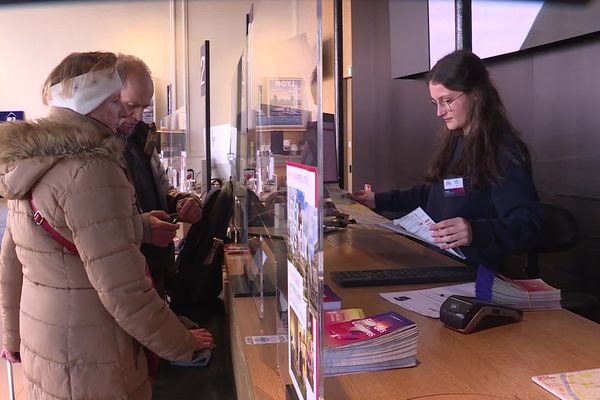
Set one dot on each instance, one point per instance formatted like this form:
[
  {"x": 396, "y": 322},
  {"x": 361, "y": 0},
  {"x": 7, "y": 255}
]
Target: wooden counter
[{"x": 495, "y": 363}]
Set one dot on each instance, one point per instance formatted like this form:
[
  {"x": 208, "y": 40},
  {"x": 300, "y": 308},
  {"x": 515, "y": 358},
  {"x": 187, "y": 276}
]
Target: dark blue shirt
[{"x": 505, "y": 218}]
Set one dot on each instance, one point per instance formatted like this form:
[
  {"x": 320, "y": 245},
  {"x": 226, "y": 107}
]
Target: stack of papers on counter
[
  {"x": 525, "y": 294},
  {"x": 331, "y": 301},
  {"x": 382, "y": 341}
]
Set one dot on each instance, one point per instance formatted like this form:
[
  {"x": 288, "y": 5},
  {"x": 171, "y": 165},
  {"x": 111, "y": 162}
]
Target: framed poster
[{"x": 281, "y": 104}]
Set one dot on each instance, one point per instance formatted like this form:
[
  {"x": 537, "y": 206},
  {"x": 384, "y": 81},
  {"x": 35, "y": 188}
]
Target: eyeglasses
[{"x": 444, "y": 104}]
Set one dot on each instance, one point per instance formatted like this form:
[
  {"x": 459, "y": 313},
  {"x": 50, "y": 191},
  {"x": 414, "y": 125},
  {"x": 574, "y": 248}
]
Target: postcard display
[
  {"x": 278, "y": 71},
  {"x": 304, "y": 270}
]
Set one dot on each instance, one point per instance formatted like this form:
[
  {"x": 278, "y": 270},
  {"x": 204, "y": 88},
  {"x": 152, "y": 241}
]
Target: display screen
[{"x": 506, "y": 26}]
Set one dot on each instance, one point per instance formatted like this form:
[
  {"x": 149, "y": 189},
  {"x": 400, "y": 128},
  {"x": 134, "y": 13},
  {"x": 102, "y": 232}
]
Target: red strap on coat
[
  {"x": 152, "y": 359},
  {"x": 39, "y": 219}
]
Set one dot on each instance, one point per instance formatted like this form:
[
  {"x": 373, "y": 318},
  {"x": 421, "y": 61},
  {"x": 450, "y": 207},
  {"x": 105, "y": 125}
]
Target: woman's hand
[
  {"x": 204, "y": 339},
  {"x": 365, "y": 197},
  {"x": 453, "y": 232},
  {"x": 10, "y": 356}
]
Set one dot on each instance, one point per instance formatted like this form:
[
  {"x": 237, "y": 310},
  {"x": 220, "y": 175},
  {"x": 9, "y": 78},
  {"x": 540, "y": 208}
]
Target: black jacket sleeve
[{"x": 402, "y": 200}]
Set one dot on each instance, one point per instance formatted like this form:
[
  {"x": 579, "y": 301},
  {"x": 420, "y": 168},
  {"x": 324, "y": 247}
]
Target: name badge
[{"x": 454, "y": 187}]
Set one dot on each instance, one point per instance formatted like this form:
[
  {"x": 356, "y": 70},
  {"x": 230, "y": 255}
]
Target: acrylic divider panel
[{"x": 277, "y": 107}]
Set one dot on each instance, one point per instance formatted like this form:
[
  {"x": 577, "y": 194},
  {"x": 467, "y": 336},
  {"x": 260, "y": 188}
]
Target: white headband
[{"x": 89, "y": 91}]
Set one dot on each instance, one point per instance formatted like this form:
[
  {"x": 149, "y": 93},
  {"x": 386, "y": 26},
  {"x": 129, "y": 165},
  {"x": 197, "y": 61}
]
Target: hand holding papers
[{"x": 416, "y": 225}]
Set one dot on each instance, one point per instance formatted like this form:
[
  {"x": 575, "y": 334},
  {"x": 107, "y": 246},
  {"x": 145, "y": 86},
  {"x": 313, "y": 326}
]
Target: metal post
[
  {"x": 464, "y": 28},
  {"x": 11, "y": 387},
  {"x": 207, "y": 138},
  {"x": 339, "y": 88}
]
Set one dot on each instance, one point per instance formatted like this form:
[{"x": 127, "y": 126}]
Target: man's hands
[
  {"x": 162, "y": 231},
  {"x": 189, "y": 210}
]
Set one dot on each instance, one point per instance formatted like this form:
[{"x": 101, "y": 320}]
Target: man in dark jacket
[{"x": 156, "y": 198}]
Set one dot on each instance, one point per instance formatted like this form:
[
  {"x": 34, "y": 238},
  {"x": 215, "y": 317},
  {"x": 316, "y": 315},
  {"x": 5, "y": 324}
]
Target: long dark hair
[{"x": 489, "y": 131}]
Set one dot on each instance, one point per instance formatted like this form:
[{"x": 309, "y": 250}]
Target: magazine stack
[
  {"x": 331, "y": 301},
  {"x": 524, "y": 294},
  {"x": 378, "y": 342}
]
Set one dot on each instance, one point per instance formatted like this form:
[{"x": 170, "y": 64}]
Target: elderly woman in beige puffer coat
[{"x": 78, "y": 320}]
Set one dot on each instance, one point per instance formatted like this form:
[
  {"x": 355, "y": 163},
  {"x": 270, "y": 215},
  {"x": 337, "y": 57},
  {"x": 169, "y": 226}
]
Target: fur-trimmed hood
[
  {"x": 78, "y": 320},
  {"x": 29, "y": 149}
]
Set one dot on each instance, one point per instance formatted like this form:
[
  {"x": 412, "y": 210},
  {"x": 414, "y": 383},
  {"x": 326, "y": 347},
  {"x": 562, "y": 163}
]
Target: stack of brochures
[
  {"x": 382, "y": 341},
  {"x": 337, "y": 316},
  {"x": 331, "y": 301},
  {"x": 525, "y": 294}
]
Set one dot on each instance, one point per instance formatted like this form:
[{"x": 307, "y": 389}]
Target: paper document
[
  {"x": 361, "y": 213},
  {"x": 416, "y": 225},
  {"x": 576, "y": 385},
  {"x": 338, "y": 195},
  {"x": 428, "y": 301}
]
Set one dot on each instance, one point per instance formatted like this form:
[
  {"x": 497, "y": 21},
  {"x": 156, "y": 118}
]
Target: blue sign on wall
[{"x": 6, "y": 116}]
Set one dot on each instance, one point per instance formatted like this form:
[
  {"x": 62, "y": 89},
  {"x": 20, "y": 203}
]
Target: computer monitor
[{"x": 330, "y": 150}]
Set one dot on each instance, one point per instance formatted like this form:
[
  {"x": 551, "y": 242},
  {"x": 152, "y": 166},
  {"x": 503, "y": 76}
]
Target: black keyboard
[{"x": 403, "y": 276}]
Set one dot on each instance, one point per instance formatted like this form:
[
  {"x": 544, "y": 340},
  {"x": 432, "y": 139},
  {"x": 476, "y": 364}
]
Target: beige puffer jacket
[{"x": 77, "y": 320}]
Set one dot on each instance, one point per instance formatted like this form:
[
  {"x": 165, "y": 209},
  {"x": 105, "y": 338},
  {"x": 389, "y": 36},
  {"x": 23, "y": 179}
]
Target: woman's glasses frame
[{"x": 445, "y": 104}]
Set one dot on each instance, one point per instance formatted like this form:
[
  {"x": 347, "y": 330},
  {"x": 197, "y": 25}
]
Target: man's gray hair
[{"x": 127, "y": 64}]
